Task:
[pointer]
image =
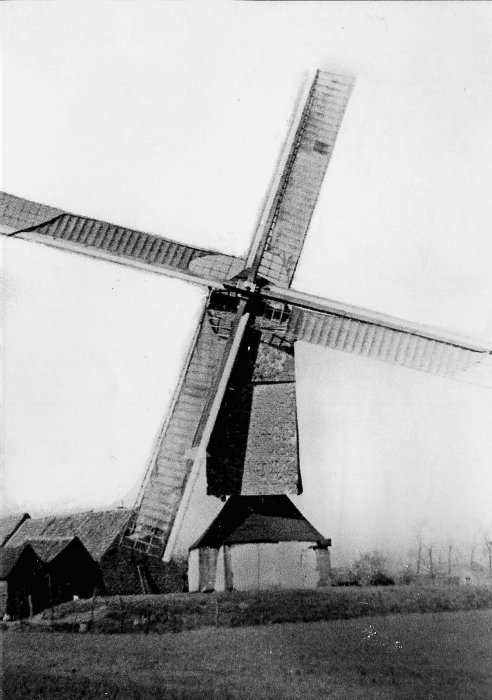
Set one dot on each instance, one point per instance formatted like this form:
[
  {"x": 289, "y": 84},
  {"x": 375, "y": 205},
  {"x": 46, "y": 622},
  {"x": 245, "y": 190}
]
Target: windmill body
[{"x": 232, "y": 424}]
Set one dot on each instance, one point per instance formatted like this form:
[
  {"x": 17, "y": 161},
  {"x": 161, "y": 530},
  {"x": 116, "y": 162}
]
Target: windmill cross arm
[
  {"x": 334, "y": 308},
  {"x": 30, "y": 221}
]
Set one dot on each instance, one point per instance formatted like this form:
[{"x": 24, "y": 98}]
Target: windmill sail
[
  {"x": 17, "y": 214},
  {"x": 295, "y": 190},
  {"x": 349, "y": 329},
  {"x": 175, "y": 448},
  {"x": 79, "y": 234}
]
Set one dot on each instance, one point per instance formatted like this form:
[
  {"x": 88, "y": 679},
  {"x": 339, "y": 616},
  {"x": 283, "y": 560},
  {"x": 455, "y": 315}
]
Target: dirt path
[{"x": 428, "y": 656}]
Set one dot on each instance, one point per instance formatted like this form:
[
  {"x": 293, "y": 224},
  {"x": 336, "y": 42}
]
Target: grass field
[
  {"x": 180, "y": 612},
  {"x": 429, "y": 656}
]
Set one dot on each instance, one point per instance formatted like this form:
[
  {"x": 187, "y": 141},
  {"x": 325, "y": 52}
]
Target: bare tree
[
  {"x": 431, "y": 561},
  {"x": 450, "y": 555},
  {"x": 488, "y": 545}
]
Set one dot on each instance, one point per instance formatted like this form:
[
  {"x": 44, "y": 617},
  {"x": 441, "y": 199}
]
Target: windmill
[{"x": 234, "y": 410}]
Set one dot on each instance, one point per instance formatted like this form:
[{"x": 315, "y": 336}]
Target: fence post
[
  {"x": 121, "y": 613},
  {"x": 50, "y": 591}
]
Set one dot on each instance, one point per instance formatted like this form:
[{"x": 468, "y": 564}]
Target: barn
[
  {"x": 121, "y": 570},
  {"x": 70, "y": 569},
  {"x": 23, "y": 588},
  {"x": 97, "y": 531},
  {"x": 259, "y": 542}
]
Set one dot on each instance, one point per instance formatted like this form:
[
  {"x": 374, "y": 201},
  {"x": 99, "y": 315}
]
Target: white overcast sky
[{"x": 168, "y": 118}]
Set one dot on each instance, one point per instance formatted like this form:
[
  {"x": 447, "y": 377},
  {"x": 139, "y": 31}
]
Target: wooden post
[
  {"x": 258, "y": 564},
  {"x": 121, "y": 612},
  {"x": 228, "y": 574},
  {"x": 50, "y": 593},
  {"x": 92, "y": 605}
]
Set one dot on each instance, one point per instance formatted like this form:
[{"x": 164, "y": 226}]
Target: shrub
[
  {"x": 381, "y": 579},
  {"x": 407, "y": 576},
  {"x": 371, "y": 570},
  {"x": 345, "y": 578}
]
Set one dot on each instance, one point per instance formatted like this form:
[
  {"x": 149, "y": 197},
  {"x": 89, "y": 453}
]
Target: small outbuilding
[
  {"x": 259, "y": 542},
  {"x": 98, "y": 531},
  {"x": 23, "y": 589},
  {"x": 70, "y": 569},
  {"x": 122, "y": 570}
]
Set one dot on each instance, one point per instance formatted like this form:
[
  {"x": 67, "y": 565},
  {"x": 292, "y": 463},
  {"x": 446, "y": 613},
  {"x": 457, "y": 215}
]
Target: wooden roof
[
  {"x": 9, "y": 556},
  {"x": 9, "y": 525},
  {"x": 49, "y": 548},
  {"x": 248, "y": 519},
  {"x": 97, "y": 530}
]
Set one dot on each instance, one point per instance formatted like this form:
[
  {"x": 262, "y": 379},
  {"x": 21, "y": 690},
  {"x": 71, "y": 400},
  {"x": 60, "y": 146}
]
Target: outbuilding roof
[
  {"x": 9, "y": 525},
  {"x": 97, "y": 530},
  {"x": 246, "y": 519},
  {"x": 9, "y": 556},
  {"x": 48, "y": 548}
]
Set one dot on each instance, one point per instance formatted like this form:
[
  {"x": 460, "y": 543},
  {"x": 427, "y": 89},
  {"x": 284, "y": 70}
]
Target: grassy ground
[
  {"x": 432, "y": 656},
  {"x": 179, "y": 612}
]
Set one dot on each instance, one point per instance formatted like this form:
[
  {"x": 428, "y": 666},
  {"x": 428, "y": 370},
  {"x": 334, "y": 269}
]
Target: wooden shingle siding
[
  {"x": 254, "y": 447},
  {"x": 271, "y": 464}
]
